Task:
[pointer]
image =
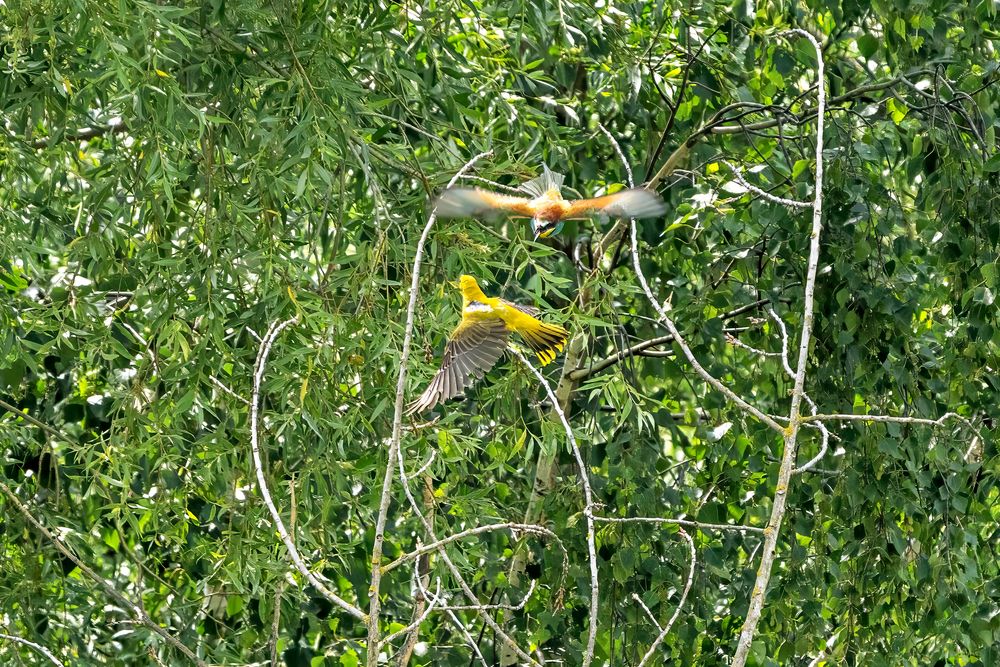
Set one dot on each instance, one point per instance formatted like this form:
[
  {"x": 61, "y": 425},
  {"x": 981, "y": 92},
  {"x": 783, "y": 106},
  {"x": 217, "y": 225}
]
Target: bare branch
[
  {"x": 588, "y": 509},
  {"x": 680, "y": 522},
  {"x": 397, "y": 423},
  {"x": 293, "y": 553},
  {"x": 824, "y": 431},
  {"x": 478, "y": 530},
  {"x": 885, "y": 419},
  {"x": 498, "y": 607},
  {"x": 30, "y": 644},
  {"x": 218, "y": 383},
  {"x": 648, "y": 612},
  {"x": 32, "y": 420},
  {"x": 708, "y": 377},
  {"x": 417, "y": 621},
  {"x": 493, "y": 184},
  {"x": 798, "y": 390},
  {"x": 422, "y": 469},
  {"x": 794, "y": 203},
  {"x": 680, "y": 604},
  {"x": 83, "y": 134},
  {"x": 641, "y": 347}
]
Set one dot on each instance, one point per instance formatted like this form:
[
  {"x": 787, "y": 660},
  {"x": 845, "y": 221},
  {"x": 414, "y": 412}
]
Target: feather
[
  {"x": 634, "y": 203},
  {"x": 549, "y": 180}
]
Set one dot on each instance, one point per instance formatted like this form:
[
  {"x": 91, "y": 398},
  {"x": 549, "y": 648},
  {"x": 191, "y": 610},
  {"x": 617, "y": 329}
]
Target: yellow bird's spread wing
[
  {"x": 527, "y": 310},
  {"x": 634, "y": 203},
  {"x": 474, "y": 348},
  {"x": 473, "y": 202}
]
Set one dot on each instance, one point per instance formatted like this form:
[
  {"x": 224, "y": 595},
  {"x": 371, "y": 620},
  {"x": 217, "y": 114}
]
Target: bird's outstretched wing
[
  {"x": 473, "y": 202},
  {"x": 527, "y": 310},
  {"x": 634, "y": 203},
  {"x": 473, "y": 349}
]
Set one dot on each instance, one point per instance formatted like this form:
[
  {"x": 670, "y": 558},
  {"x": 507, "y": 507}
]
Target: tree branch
[
  {"x": 581, "y": 374},
  {"x": 109, "y": 587},
  {"x": 679, "y": 522},
  {"x": 678, "y": 339},
  {"x": 374, "y": 608},
  {"x": 293, "y": 553},
  {"x": 588, "y": 509},
  {"x": 38, "y": 647},
  {"x": 680, "y": 605},
  {"x": 798, "y": 390}
]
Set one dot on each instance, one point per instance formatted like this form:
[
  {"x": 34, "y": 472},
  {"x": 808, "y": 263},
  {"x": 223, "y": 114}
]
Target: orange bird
[{"x": 546, "y": 207}]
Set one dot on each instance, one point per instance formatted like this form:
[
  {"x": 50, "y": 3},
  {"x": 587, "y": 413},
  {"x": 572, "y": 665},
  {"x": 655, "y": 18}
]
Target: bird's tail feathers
[
  {"x": 545, "y": 340},
  {"x": 549, "y": 180}
]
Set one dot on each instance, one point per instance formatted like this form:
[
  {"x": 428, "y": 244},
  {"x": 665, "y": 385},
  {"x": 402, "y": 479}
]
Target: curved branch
[
  {"x": 588, "y": 509},
  {"x": 705, "y": 375},
  {"x": 434, "y": 546},
  {"x": 293, "y": 553},
  {"x": 30, "y": 644},
  {"x": 680, "y": 522},
  {"x": 639, "y": 348},
  {"x": 680, "y": 605}
]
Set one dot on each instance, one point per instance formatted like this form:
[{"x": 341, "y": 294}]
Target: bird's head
[
  {"x": 545, "y": 228},
  {"x": 465, "y": 283}
]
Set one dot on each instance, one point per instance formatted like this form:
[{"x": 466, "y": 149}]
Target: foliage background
[{"x": 174, "y": 177}]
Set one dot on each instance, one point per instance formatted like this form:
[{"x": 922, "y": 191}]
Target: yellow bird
[
  {"x": 480, "y": 339},
  {"x": 546, "y": 207}
]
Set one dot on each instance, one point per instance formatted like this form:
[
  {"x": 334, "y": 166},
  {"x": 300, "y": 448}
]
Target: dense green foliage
[{"x": 176, "y": 177}]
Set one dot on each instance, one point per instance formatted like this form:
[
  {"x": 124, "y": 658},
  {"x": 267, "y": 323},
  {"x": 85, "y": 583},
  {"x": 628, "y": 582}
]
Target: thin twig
[
  {"x": 109, "y": 587},
  {"x": 218, "y": 383},
  {"x": 293, "y": 553},
  {"x": 708, "y": 377},
  {"x": 883, "y": 419},
  {"x": 38, "y": 647},
  {"x": 32, "y": 420},
  {"x": 641, "y": 347},
  {"x": 588, "y": 509},
  {"x": 794, "y": 203},
  {"x": 648, "y": 612},
  {"x": 417, "y": 621},
  {"x": 374, "y": 608},
  {"x": 680, "y": 522},
  {"x": 824, "y": 431},
  {"x": 455, "y": 572},
  {"x": 427, "y": 548},
  {"x": 680, "y": 604},
  {"x": 493, "y": 184}
]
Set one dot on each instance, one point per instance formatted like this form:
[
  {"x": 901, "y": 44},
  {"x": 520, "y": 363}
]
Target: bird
[
  {"x": 546, "y": 207},
  {"x": 481, "y": 338}
]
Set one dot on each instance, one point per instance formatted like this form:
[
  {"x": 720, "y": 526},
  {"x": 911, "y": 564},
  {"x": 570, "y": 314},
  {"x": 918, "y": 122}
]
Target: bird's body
[
  {"x": 546, "y": 207},
  {"x": 480, "y": 339}
]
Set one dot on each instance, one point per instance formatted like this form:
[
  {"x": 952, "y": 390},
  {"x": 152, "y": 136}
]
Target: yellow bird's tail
[{"x": 545, "y": 340}]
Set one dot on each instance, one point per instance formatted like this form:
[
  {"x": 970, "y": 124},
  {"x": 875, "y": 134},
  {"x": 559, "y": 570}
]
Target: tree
[{"x": 211, "y": 216}]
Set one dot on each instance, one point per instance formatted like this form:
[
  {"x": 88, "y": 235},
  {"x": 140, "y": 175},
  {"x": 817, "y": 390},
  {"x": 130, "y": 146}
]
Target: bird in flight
[
  {"x": 545, "y": 206},
  {"x": 480, "y": 338}
]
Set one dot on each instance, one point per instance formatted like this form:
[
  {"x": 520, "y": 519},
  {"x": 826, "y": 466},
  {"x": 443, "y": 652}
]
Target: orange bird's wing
[
  {"x": 634, "y": 203},
  {"x": 473, "y": 202},
  {"x": 474, "y": 348}
]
